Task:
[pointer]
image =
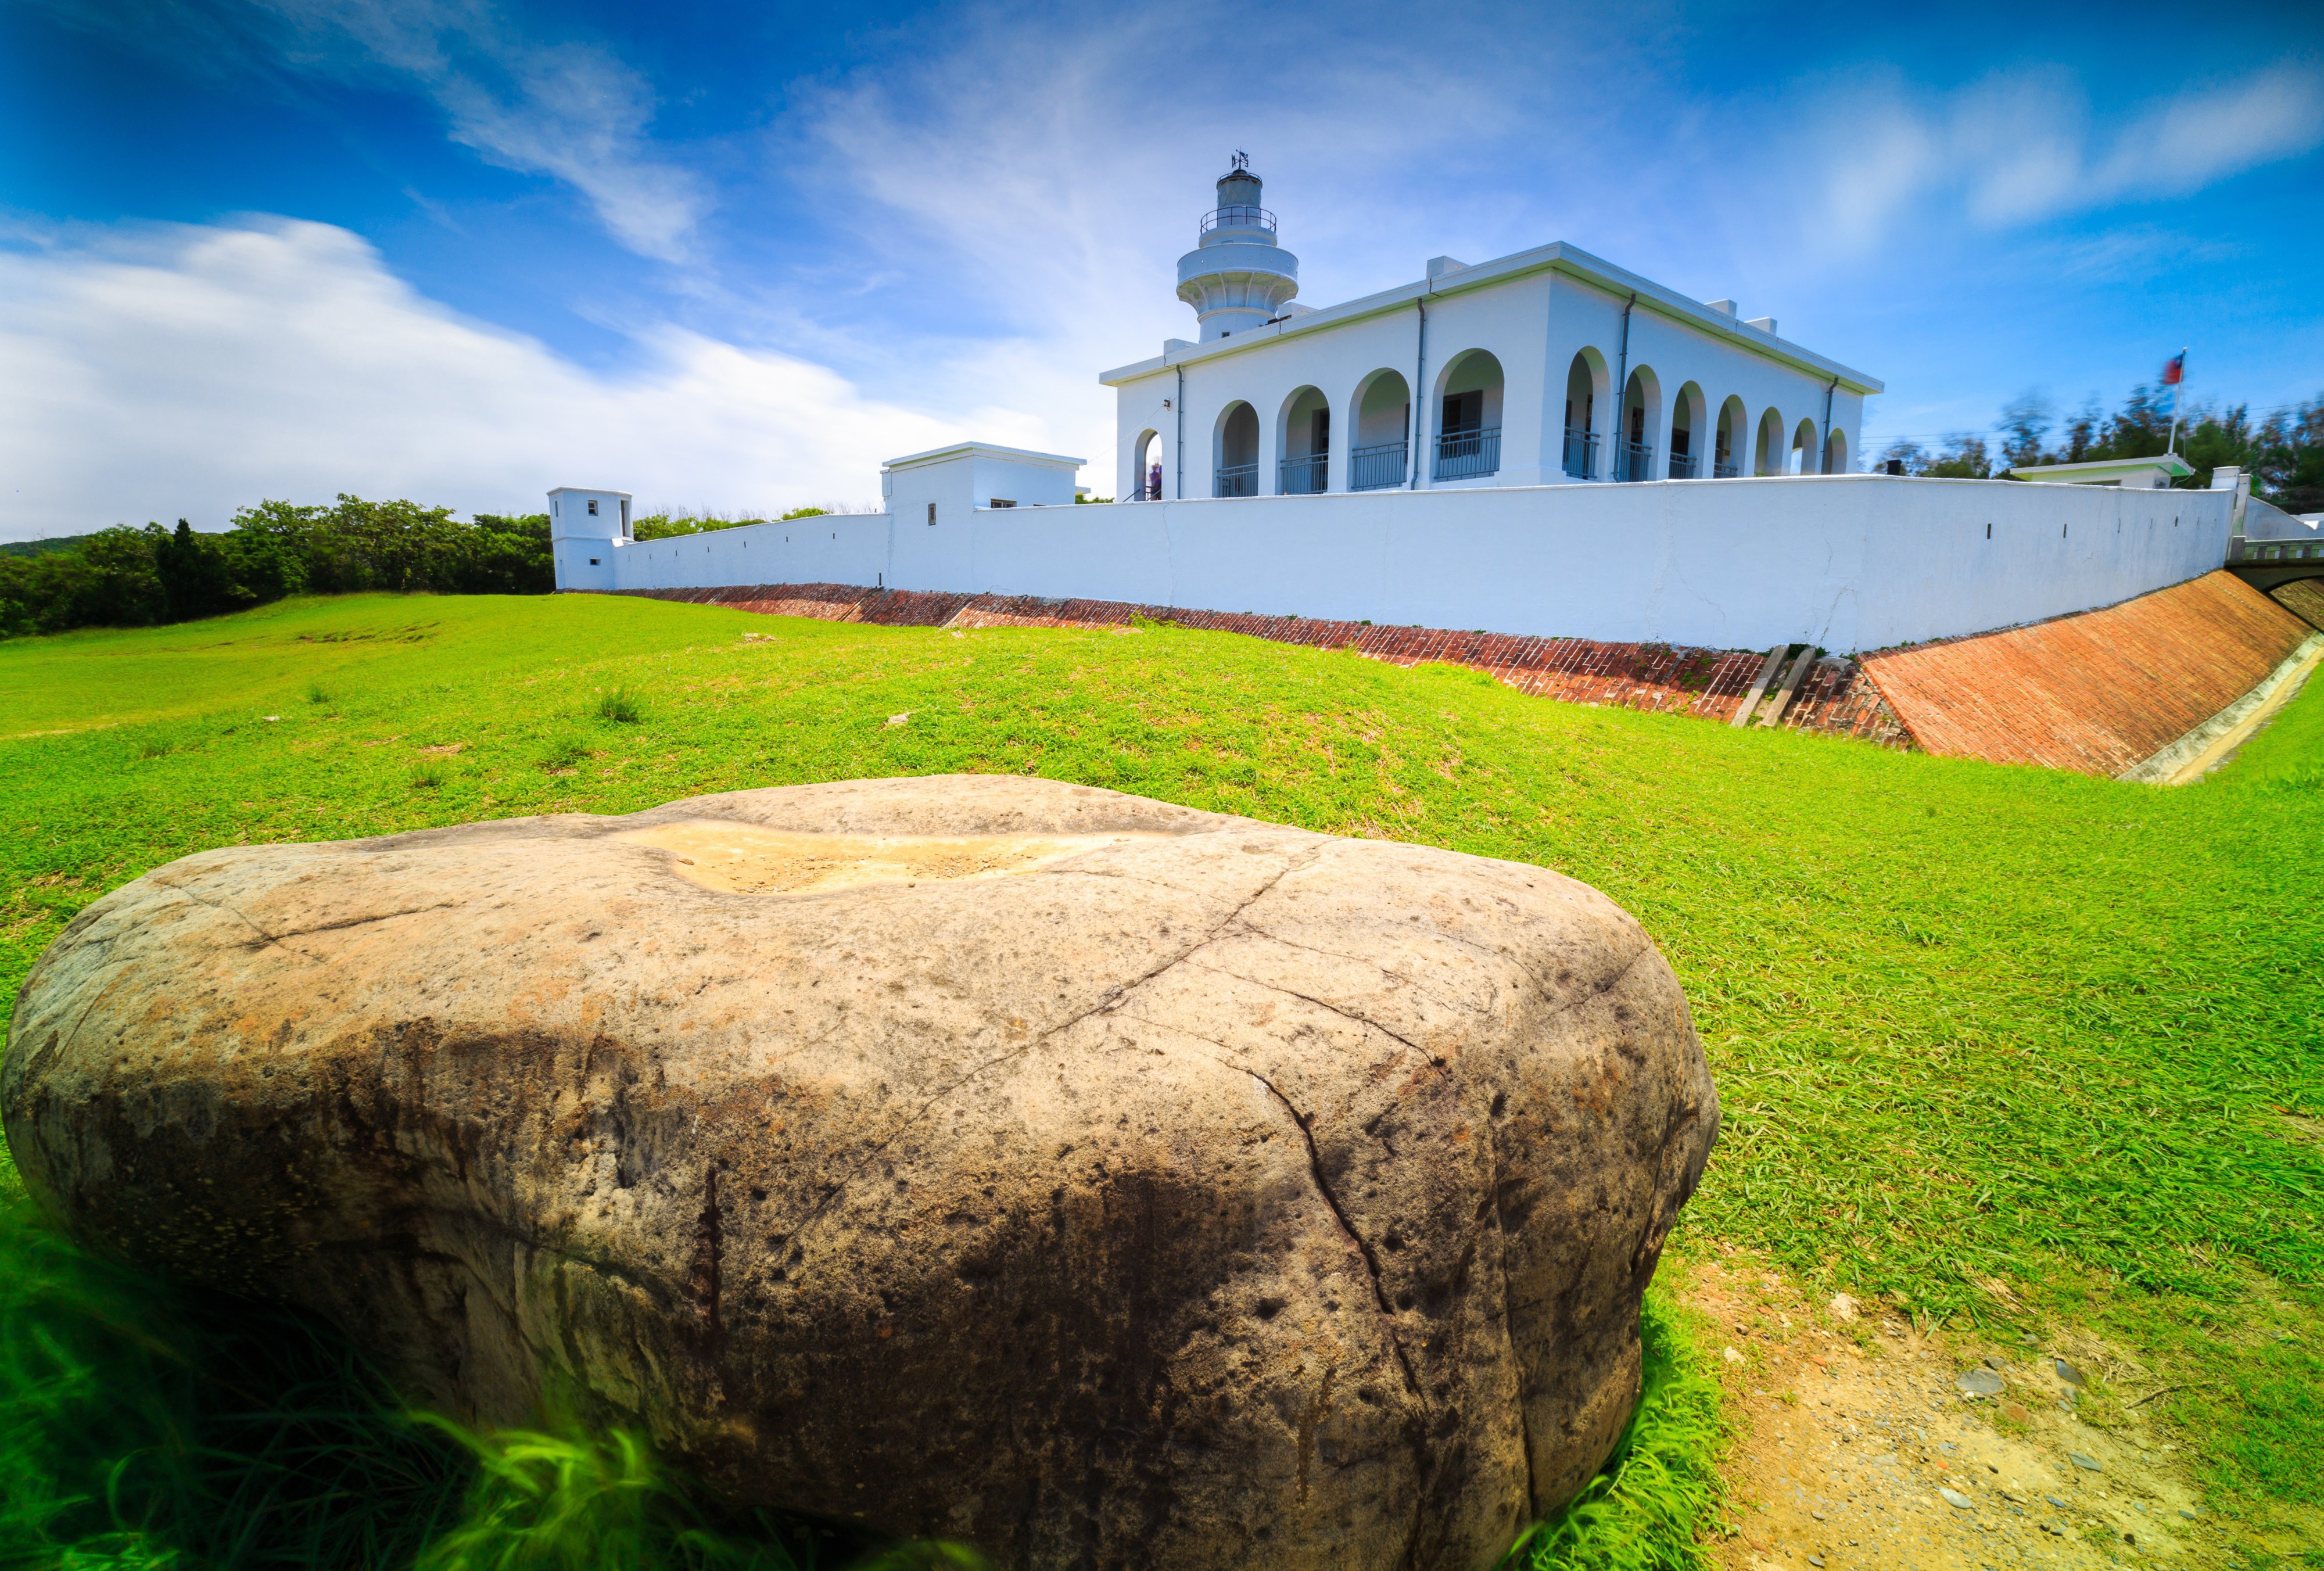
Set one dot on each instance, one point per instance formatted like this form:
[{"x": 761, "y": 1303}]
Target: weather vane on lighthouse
[{"x": 1242, "y": 159}]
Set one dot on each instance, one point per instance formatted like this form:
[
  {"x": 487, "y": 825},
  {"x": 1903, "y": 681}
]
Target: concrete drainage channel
[{"x": 2218, "y": 739}]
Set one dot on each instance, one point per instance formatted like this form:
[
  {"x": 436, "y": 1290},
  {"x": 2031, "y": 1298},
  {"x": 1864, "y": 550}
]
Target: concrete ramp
[{"x": 2100, "y": 691}]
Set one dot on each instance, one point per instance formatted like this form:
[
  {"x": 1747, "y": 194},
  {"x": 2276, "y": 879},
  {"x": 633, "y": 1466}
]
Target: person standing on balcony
[{"x": 1154, "y": 482}]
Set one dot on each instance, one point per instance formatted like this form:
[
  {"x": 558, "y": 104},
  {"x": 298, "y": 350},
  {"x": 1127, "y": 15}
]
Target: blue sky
[{"x": 729, "y": 257}]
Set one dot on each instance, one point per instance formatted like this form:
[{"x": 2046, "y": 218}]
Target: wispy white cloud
[
  {"x": 2025, "y": 146},
  {"x": 2208, "y": 133},
  {"x": 558, "y": 106},
  {"x": 1045, "y": 157},
  {"x": 1022, "y": 182},
  {"x": 189, "y": 370},
  {"x": 570, "y": 112}
]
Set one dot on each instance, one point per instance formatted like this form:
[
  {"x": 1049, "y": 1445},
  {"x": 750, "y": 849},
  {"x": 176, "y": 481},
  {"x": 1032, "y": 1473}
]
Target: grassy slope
[{"x": 1971, "y": 1025}]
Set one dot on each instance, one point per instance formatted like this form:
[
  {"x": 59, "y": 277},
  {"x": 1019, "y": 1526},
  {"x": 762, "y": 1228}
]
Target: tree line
[
  {"x": 2283, "y": 452},
  {"x": 138, "y": 577},
  {"x": 135, "y": 578}
]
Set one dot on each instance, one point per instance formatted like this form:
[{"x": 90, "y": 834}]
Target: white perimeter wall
[
  {"x": 846, "y": 548},
  {"x": 1852, "y": 562}
]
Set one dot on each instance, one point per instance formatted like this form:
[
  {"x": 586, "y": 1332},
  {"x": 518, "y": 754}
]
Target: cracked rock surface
[{"x": 1095, "y": 1180}]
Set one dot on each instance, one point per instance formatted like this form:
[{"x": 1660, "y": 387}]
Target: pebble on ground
[{"x": 1884, "y": 1457}]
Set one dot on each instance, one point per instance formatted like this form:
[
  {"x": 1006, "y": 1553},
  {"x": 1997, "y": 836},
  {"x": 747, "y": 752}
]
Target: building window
[
  {"x": 1000, "y": 502},
  {"x": 593, "y": 507},
  {"x": 932, "y": 514},
  {"x": 593, "y": 561}
]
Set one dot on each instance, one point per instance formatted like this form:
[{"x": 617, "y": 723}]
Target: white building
[
  {"x": 1289, "y": 482},
  {"x": 2130, "y": 474},
  {"x": 1520, "y": 359},
  {"x": 585, "y": 530}
]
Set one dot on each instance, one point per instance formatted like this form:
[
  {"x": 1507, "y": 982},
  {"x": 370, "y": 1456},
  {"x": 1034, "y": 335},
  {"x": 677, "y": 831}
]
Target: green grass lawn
[{"x": 2016, "y": 1047}]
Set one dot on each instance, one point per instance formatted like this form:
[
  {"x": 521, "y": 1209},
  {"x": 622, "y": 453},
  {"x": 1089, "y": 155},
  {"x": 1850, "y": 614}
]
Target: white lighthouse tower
[{"x": 1237, "y": 277}]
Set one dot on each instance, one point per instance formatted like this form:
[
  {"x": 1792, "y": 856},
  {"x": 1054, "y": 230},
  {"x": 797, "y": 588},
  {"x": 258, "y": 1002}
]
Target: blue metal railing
[
  {"x": 1685, "y": 466},
  {"x": 1581, "y": 452},
  {"x": 1726, "y": 471},
  {"x": 1240, "y": 480},
  {"x": 1237, "y": 218},
  {"x": 1304, "y": 476},
  {"x": 1633, "y": 461},
  {"x": 1375, "y": 467},
  {"x": 1460, "y": 454}
]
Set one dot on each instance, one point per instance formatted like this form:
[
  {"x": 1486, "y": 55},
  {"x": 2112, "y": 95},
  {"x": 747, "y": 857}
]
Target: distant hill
[{"x": 40, "y": 548}]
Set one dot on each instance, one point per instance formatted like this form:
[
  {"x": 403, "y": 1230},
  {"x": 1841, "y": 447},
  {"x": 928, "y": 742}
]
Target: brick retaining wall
[{"x": 2099, "y": 691}]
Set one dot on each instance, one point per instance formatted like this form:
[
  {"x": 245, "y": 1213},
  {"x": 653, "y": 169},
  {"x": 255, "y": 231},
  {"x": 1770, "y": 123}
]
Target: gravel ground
[{"x": 1859, "y": 1446}]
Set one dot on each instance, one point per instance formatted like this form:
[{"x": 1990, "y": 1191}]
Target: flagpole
[{"x": 2171, "y": 447}]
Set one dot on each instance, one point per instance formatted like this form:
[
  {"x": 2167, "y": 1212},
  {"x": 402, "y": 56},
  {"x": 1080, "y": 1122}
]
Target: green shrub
[{"x": 563, "y": 753}]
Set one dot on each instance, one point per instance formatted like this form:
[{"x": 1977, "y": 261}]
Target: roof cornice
[
  {"x": 983, "y": 450},
  {"x": 1560, "y": 258}
]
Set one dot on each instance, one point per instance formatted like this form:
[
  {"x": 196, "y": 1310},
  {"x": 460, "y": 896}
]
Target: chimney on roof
[
  {"x": 1765, "y": 324},
  {"x": 1724, "y": 307}
]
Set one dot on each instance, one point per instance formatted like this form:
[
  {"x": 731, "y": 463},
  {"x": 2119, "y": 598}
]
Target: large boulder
[{"x": 1099, "y": 1181}]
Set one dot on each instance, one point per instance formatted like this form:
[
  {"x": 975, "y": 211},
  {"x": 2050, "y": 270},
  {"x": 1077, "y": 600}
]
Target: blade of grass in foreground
[{"x": 1650, "y": 1507}]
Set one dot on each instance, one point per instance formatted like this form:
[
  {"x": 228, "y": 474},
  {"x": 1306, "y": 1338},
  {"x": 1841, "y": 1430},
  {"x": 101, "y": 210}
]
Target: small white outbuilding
[
  {"x": 2151, "y": 474},
  {"x": 585, "y": 528}
]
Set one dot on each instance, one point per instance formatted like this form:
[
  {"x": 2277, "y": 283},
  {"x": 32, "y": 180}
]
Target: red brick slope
[
  {"x": 2097, "y": 691},
  {"x": 1834, "y": 699}
]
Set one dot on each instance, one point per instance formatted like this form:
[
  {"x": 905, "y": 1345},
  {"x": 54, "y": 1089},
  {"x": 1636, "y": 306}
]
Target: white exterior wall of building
[
  {"x": 1849, "y": 562},
  {"x": 586, "y": 529},
  {"x": 1533, "y": 313}
]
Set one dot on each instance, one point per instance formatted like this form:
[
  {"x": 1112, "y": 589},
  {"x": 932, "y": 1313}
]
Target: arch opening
[
  {"x": 1835, "y": 452},
  {"x": 1469, "y": 417},
  {"x": 1687, "y": 428},
  {"x": 1642, "y": 400},
  {"x": 1804, "y": 452},
  {"x": 1302, "y": 444},
  {"x": 1146, "y": 468},
  {"x": 1727, "y": 445},
  {"x": 1382, "y": 450},
  {"x": 1235, "y": 452},
  {"x": 1767, "y": 454},
  {"x": 1585, "y": 385}
]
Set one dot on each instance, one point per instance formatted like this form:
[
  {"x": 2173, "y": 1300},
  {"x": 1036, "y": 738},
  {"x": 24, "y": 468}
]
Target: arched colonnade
[
  {"x": 1678, "y": 434},
  {"x": 1363, "y": 440}
]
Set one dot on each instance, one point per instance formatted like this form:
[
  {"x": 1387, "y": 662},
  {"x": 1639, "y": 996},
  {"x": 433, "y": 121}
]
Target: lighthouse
[{"x": 1237, "y": 277}]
